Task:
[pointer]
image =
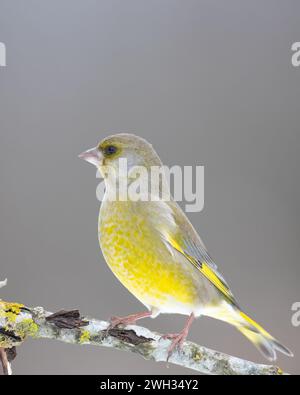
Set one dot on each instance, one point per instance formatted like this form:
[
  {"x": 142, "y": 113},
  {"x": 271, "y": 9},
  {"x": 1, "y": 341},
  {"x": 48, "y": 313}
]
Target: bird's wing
[
  {"x": 179, "y": 234},
  {"x": 204, "y": 268}
]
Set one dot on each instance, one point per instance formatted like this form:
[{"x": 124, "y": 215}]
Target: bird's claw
[
  {"x": 177, "y": 340},
  {"x": 127, "y": 320},
  {"x": 115, "y": 322}
]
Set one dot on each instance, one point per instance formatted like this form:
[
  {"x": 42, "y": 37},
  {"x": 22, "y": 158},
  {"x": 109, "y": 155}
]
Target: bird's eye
[{"x": 110, "y": 150}]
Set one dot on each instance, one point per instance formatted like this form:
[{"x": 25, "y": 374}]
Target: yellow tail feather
[{"x": 261, "y": 339}]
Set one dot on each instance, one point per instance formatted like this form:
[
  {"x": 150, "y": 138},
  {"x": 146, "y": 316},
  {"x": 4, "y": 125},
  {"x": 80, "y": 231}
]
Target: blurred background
[{"x": 207, "y": 83}]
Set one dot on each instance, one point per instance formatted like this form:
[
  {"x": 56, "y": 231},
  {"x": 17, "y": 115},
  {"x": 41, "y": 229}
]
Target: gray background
[{"x": 207, "y": 82}]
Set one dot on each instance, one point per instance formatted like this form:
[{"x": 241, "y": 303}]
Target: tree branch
[{"x": 18, "y": 322}]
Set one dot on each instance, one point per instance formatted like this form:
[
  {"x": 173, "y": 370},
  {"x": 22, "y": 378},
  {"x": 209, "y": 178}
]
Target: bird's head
[
  {"x": 136, "y": 151},
  {"x": 124, "y": 159}
]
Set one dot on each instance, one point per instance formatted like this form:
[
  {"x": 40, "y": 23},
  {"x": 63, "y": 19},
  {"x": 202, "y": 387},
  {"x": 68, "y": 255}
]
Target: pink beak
[{"x": 93, "y": 156}]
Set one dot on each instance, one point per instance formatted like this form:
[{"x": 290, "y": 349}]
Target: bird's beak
[{"x": 93, "y": 156}]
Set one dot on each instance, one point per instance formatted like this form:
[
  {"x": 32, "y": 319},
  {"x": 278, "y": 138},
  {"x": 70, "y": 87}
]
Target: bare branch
[{"x": 18, "y": 322}]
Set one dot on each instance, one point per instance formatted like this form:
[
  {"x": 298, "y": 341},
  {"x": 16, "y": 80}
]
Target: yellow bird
[{"x": 154, "y": 251}]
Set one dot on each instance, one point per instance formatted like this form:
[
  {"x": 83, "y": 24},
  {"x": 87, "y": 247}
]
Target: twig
[{"x": 18, "y": 322}]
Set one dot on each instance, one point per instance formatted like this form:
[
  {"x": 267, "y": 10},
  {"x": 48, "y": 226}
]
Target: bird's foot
[
  {"x": 177, "y": 340},
  {"x": 131, "y": 319},
  {"x": 118, "y": 321}
]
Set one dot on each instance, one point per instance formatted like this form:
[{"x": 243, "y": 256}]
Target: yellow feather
[{"x": 207, "y": 271}]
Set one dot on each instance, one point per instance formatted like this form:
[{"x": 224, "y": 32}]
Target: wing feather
[
  {"x": 178, "y": 234},
  {"x": 206, "y": 270},
  {"x": 182, "y": 236}
]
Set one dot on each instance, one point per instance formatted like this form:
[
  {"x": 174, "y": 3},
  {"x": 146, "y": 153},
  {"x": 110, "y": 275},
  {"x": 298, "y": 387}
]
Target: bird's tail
[{"x": 260, "y": 338}]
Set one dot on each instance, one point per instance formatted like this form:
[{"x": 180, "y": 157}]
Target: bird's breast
[{"x": 138, "y": 257}]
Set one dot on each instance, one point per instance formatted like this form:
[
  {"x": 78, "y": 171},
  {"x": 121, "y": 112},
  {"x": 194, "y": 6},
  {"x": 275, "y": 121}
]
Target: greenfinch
[{"x": 155, "y": 252}]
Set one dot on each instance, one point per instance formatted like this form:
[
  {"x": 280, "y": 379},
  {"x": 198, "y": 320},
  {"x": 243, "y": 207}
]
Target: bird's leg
[
  {"x": 4, "y": 361},
  {"x": 128, "y": 320},
  {"x": 179, "y": 338}
]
